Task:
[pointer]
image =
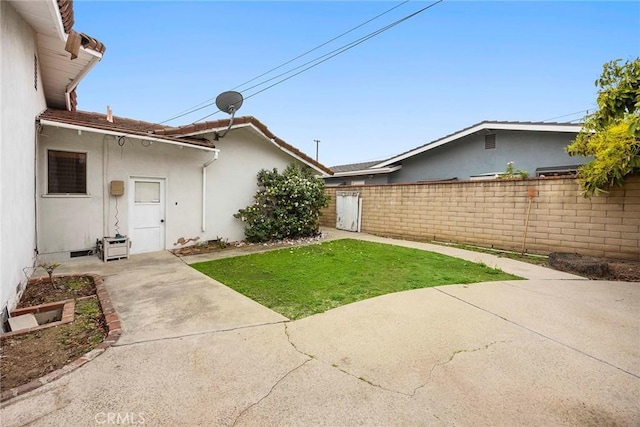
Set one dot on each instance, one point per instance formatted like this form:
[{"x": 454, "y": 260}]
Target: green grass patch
[{"x": 300, "y": 281}]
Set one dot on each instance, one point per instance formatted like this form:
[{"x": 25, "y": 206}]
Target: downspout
[
  {"x": 105, "y": 195},
  {"x": 204, "y": 188}
]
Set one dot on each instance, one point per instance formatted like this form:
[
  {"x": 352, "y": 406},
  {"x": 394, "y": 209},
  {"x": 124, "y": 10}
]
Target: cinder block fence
[{"x": 494, "y": 213}]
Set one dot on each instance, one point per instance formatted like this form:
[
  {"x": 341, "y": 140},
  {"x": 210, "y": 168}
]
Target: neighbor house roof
[
  {"x": 364, "y": 168},
  {"x": 211, "y": 126},
  {"x": 483, "y": 126},
  {"x": 64, "y": 55},
  {"x": 353, "y": 166}
]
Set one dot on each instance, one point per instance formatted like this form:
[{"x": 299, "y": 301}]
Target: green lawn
[{"x": 301, "y": 281}]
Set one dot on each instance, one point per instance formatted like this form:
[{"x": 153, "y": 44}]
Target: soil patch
[
  {"x": 27, "y": 357},
  {"x": 65, "y": 287},
  {"x": 222, "y": 245},
  {"x": 595, "y": 268}
]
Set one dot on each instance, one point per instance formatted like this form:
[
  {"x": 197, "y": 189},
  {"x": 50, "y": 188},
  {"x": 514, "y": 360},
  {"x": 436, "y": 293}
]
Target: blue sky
[{"x": 454, "y": 65}]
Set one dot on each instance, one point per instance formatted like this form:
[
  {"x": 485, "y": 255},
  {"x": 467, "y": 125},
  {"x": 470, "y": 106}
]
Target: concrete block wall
[{"x": 494, "y": 213}]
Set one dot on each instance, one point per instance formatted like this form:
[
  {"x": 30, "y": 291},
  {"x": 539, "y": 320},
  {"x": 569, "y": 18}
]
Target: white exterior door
[
  {"x": 146, "y": 215},
  {"x": 348, "y": 206}
]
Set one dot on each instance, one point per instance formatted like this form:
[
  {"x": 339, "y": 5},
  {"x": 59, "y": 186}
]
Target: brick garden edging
[{"x": 114, "y": 331}]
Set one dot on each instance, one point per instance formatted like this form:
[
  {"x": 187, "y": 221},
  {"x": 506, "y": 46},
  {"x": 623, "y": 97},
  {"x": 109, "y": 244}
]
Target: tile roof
[
  {"x": 353, "y": 166},
  {"x": 218, "y": 124},
  {"x": 66, "y": 12},
  {"x": 120, "y": 124},
  {"x": 180, "y": 134}
]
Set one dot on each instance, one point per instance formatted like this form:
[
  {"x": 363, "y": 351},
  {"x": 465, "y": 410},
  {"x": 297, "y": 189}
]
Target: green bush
[{"x": 286, "y": 205}]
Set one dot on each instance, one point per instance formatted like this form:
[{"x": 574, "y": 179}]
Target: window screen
[
  {"x": 67, "y": 172},
  {"x": 147, "y": 192}
]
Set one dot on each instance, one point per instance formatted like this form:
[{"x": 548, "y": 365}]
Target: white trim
[
  {"x": 540, "y": 127},
  {"x": 55, "y": 12},
  {"x": 75, "y": 82},
  {"x": 255, "y": 128},
  {"x": 163, "y": 181},
  {"x": 63, "y": 125},
  {"x": 66, "y": 196},
  {"x": 376, "y": 171}
]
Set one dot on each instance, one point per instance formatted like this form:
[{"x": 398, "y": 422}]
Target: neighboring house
[
  {"x": 180, "y": 184},
  {"x": 481, "y": 151},
  {"x": 43, "y": 61}
]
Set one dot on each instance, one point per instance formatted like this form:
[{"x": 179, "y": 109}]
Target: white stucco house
[
  {"x": 180, "y": 184},
  {"x": 70, "y": 178},
  {"x": 37, "y": 44}
]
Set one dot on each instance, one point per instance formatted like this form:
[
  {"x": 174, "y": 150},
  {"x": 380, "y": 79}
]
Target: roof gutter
[
  {"x": 489, "y": 126},
  {"x": 55, "y": 13},
  {"x": 75, "y": 82},
  {"x": 63, "y": 125},
  {"x": 256, "y": 129},
  {"x": 376, "y": 171}
]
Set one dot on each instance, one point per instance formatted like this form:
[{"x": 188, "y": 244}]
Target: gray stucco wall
[{"x": 467, "y": 157}]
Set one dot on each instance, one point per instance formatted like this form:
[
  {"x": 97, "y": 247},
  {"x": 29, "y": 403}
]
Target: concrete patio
[{"x": 552, "y": 350}]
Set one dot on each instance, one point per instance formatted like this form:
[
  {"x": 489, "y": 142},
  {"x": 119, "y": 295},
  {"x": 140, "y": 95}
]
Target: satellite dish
[{"x": 229, "y": 102}]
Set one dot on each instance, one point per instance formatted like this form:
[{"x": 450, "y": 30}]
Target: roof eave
[
  {"x": 136, "y": 135},
  {"x": 536, "y": 127},
  {"x": 377, "y": 171}
]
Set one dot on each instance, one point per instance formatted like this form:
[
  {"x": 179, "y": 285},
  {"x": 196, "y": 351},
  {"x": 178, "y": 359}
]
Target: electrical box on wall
[{"x": 116, "y": 188}]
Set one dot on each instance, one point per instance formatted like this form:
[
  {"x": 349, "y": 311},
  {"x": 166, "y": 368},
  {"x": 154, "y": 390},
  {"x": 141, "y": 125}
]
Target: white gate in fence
[{"x": 348, "y": 210}]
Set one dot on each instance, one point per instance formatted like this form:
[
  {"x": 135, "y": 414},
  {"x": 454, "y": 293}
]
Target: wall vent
[
  {"x": 490, "y": 141},
  {"x": 76, "y": 254}
]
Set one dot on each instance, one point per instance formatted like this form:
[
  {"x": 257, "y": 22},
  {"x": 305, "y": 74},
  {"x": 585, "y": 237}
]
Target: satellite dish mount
[{"x": 229, "y": 102}]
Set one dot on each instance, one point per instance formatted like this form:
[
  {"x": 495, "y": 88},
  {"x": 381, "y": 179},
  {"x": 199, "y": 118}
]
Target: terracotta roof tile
[
  {"x": 89, "y": 42},
  {"x": 217, "y": 124},
  {"x": 120, "y": 124},
  {"x": 179, "y": 134},
  {"x": 66, "y": 11}
]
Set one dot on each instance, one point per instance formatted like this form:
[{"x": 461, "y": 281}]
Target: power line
[
  {"x": 326, "y": 57},
  {"x": 322, "y": 45},
  {"x": 208, "y": 102},
  {"x": 567, "y": 115}
]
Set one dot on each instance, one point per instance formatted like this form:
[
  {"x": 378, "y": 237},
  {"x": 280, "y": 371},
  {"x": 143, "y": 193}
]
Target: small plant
[
  {"x": 49, "y": 268},
  {"x": 512, "y": 172},
  {"x": 221, "y": 243},
  {"x": 76, "y": 283}
]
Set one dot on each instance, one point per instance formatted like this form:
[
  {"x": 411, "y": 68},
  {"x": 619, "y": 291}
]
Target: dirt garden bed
[{"x": 31, "y": 359}]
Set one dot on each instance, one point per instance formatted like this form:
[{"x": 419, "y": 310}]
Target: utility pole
[{"x": 317, "y": 141}]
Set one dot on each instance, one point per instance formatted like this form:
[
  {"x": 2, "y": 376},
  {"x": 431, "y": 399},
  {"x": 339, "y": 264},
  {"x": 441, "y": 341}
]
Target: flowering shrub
[
  {"x": 286, "y": 205},
  {"x": 511, "y": 172}
]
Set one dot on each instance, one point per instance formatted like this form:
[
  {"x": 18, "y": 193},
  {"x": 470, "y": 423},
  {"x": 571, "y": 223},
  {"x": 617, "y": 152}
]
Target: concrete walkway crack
[
  {"x": 450, "y": 359},
  {"x": 540, "y": 334},
  {"x": 269, "y": 392},
  {"x": 333, "y": 365},
  {"x": 194, "y": 334}
]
